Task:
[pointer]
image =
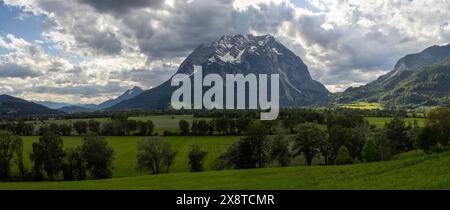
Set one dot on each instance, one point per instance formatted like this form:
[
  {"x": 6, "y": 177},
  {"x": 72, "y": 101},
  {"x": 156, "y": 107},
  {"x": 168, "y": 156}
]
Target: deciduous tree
[
  {"x": 98, "y": 155},
  {"x": 94, "y": 126},
  {"x": 80, "y": 127},
  {"x": 307, "y": 141},
  {"x": 184, "y": 127},
  {"x": 153, "y": 154},
  {"x": 10, "y": 147},
  {"x": 48, "y": 155},
  {"x": 196, "y": 158},
  {"x": 281, "y": 151}
]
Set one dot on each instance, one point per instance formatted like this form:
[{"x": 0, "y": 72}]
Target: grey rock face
[{"x": 244, "y": 54}]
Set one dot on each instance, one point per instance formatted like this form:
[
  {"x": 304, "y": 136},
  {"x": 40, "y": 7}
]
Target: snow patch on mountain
[
  {"x": 232, "y": 49},
  {"x": 276, "y": 51},
  {"x": 227, "y": 58}
]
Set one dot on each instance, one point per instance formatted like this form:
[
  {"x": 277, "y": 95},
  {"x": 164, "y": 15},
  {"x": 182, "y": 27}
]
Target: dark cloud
[
  {"x": 187, "y": 26},
  {"x": 86, "y": 90},
  {"x": 164, "y": 31},
  {"x": 348, "y": 53},
  {"x": 56, "y": 66},
  {"x": 146, "y": 78},
  {"x": 266, "y": 18},
  {"x": 18, "y": 71},
  {"x": 75, "y": 70},
  {"x": 200, "y": 21},
  {"x": 91, "y": 33},
  {"x": 103, "y": 42},
  {"x": 121, "y": 5},
  {"x": 342, "y": 42}
]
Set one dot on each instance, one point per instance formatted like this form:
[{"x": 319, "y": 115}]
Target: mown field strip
[{"x": 423, "y": 172}]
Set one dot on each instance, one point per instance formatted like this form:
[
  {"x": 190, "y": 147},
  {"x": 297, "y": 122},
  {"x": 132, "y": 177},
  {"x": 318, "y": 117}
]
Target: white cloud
[
  {"x": 3, "y": 43},
  {"x": 344, "y": 42},
  {"x": 351, "y": 36},
  {"x": 244, "y": 4}
]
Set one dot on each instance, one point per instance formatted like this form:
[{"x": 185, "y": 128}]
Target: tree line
[
  {"x": 91, "y": 160},
  {"x": 49, "y": 158},
  {"x": 117, "y": 127},
  {"x": 340, "y": 139},
  {"x": 222, "y": 123},
  {"x": 345, "y": 139},
  {"x": 222, "y": 126}
]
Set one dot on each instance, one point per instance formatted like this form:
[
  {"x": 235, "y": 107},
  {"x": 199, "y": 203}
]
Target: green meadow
[
  {"x": 162, "y": 122},
  {"x": 411, "y": 170},
  {"x": 126, "y": 150},
  {"x": 362, "y": 105},
  {"x": 417, "y": 172},
  {"x": 170, "y": 123},
  {"x": 380, "y": 121}
]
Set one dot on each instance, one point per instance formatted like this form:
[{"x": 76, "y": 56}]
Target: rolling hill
[
  {"x": 59, "y": 105},
  {"x": 72, "y": 108},
  {"x": 51, "y": 104},
  {"x": 423, "y": 172},
  {"x": 16, "y": 107},
  {"x": 420, "y": 79},
  {"x": 75, "y": 109}
]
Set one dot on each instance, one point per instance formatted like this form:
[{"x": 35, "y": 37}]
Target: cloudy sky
[{"x": 86, "y": 51}]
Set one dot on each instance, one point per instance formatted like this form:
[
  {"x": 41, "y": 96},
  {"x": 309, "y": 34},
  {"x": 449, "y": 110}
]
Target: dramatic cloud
[
  {"x": 104, "y": 47},
  {"x": 145, "y": 77},
  {"x": 121, "y": 6},
  {"x": 27, "y": 59},
  {"x": 14, "y": 70},
  {"x": 352, "y": 42}
]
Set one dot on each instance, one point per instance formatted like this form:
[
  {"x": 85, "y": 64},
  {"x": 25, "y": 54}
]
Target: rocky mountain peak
[
  {"x": 231, "y": 49},
  {"x": 243, "y": 54},
  {"x": 433, "y": 54},
  {"x": 134, "y": 91},
  {"x": 417, "y": 79}
]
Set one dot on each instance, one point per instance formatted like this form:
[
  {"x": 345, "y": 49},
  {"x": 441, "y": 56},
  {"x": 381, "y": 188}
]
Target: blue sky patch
[{"x": 22, "y": 25}]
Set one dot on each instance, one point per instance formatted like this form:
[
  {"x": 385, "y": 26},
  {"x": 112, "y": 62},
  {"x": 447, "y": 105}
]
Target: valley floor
[{"x": 423, "y": 172}]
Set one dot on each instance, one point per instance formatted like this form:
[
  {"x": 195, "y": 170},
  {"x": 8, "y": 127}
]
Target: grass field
[
  {"x": 162, "y": 122},
  {"x": 412, "y": 170},
  {"x": 362, "y": 105},
  {"x": 170, "y": 123},
  {"x": 419, "y": 172},
  {"x": 126, "y": 150},
  {"x": 126, "y": 147},
  {"x": 380, "y": 121}
]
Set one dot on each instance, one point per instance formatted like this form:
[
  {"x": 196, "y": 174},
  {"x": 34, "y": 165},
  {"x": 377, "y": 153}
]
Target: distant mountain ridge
[
  {"x": 59, "y": 105},
  {"x": 75, "y": 109},
  {"x": 11, "y": 107},
  {"x": 67, "y": 107},
  {"x": 15, "y": 107},
  {"x": 419, "y": 79},
  {"x": 129, "y": 94},
  {"x": 242, "y": 54}
]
